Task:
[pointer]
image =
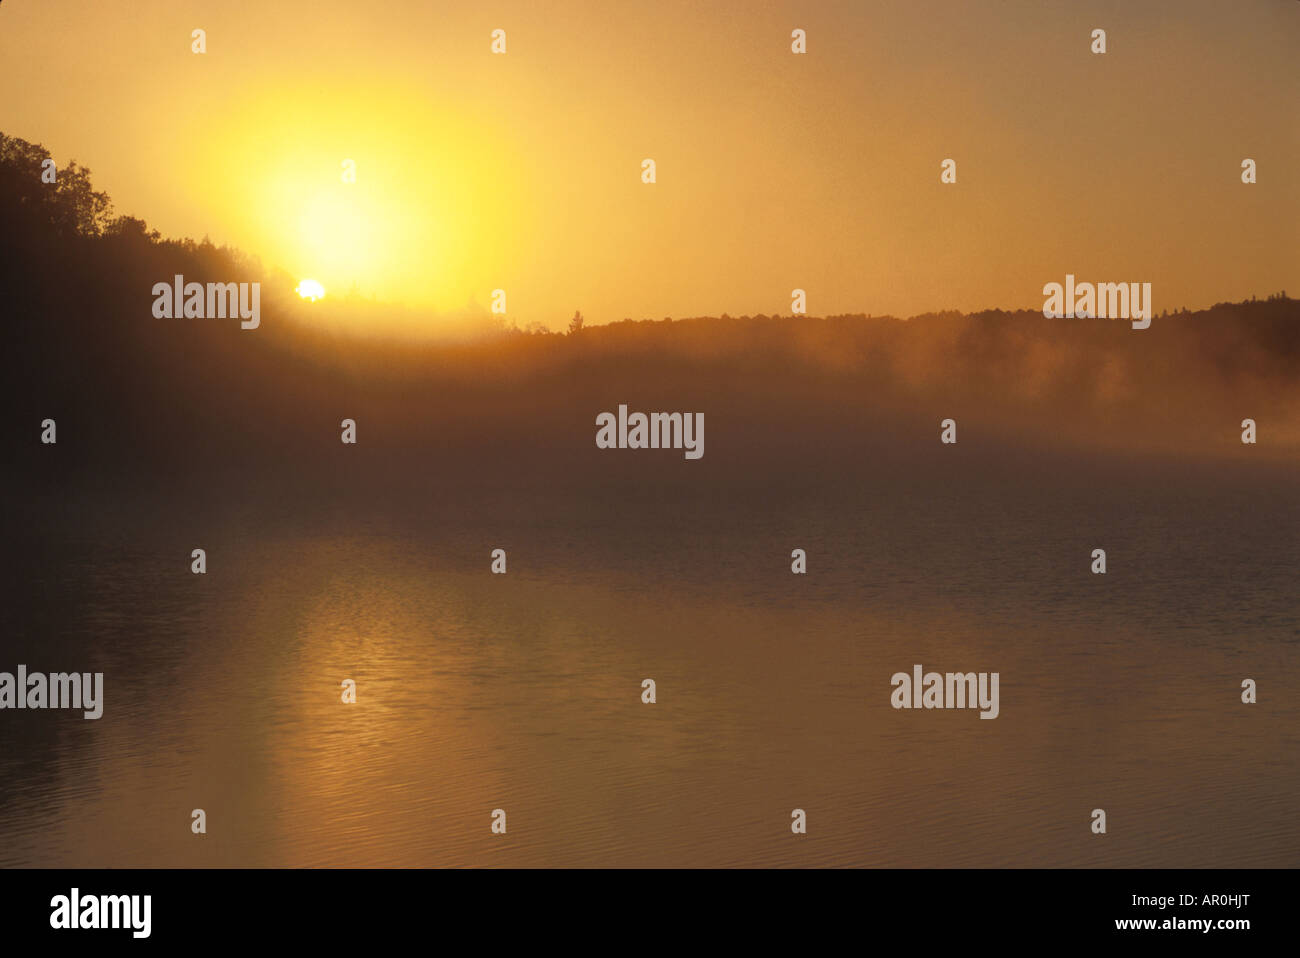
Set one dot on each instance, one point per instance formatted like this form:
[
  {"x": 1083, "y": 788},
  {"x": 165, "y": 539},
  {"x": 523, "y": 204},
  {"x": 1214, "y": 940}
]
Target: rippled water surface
[{"x": 522, "y": 692}]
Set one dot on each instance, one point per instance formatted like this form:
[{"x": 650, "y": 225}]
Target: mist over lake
[{"x": 521, "y": 691}]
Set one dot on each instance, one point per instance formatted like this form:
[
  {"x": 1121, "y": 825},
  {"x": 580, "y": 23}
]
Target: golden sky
[{"x": 775, "y": 171}]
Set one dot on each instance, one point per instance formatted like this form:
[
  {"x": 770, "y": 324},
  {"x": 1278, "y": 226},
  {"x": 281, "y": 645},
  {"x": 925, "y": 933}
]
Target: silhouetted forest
[{"x": 134, "y": 395}]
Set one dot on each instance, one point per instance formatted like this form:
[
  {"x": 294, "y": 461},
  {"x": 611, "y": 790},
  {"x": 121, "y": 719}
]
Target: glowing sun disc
[{"x": 310, "y": 289}]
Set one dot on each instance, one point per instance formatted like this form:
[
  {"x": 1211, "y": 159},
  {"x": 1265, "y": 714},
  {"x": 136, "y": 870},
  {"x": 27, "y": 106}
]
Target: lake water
[{"x": 522, "y": 691}]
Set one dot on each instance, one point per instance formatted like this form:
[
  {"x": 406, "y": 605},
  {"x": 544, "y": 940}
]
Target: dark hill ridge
[{"x": 132, "y": 392}]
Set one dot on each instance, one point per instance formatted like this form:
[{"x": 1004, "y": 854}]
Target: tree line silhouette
[{"x": 132, "y": 393}]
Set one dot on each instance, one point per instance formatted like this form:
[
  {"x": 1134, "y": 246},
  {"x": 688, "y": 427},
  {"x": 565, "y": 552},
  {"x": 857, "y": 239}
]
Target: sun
[{"x": 310, "y": 289}]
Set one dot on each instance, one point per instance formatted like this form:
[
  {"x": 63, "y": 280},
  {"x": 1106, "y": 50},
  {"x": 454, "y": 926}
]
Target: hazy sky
[{"x": 477, "y": 171}]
